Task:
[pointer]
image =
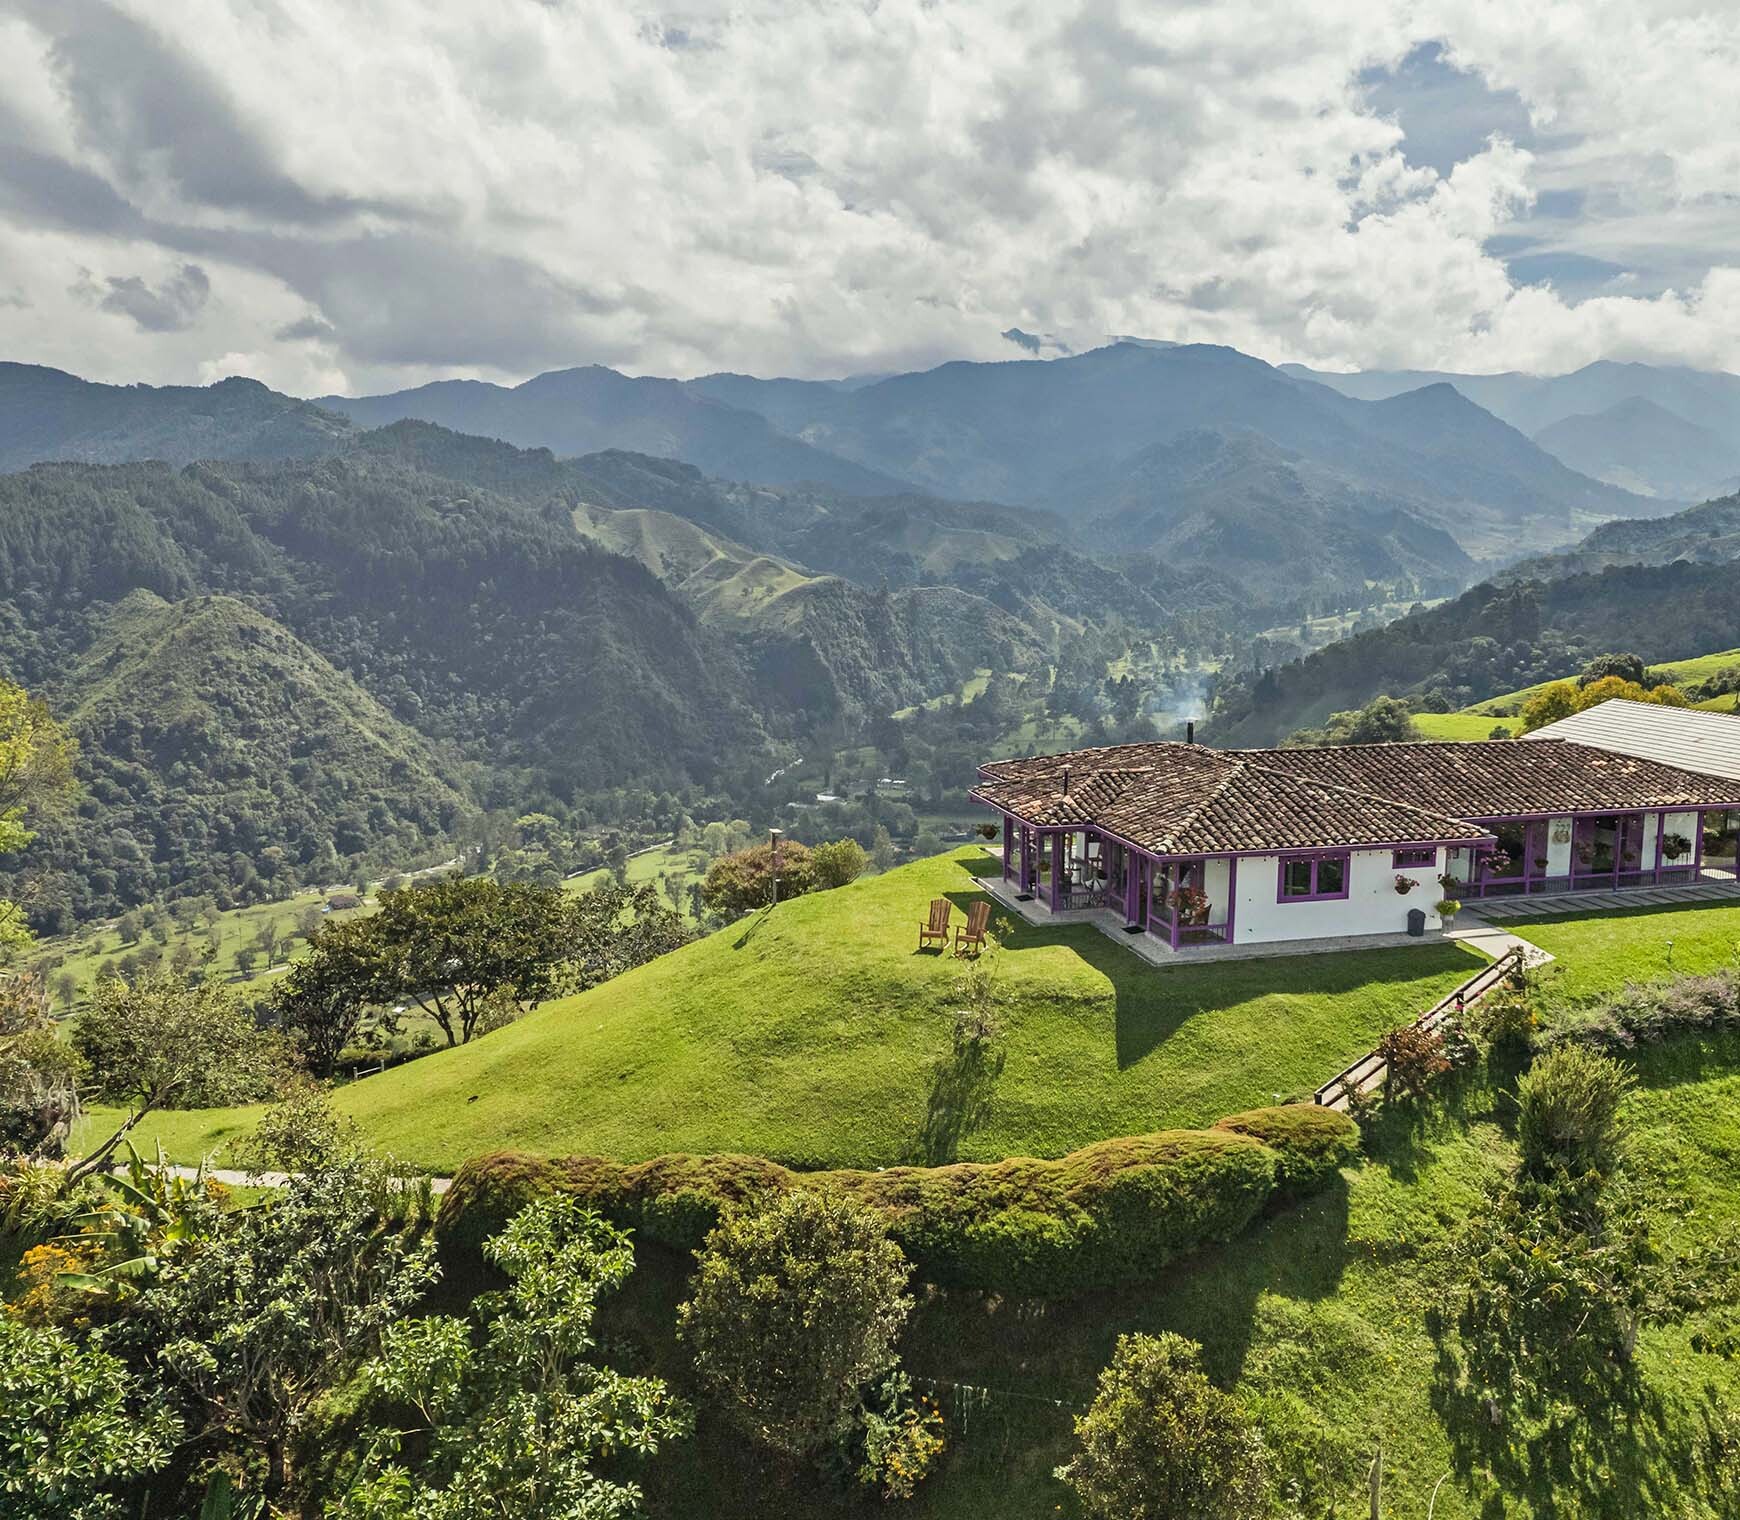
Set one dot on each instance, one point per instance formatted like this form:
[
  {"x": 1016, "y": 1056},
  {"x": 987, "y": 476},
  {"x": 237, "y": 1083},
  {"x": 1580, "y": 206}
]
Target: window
[
  {"x": 1307, "y": 878},
  {"x": 1407, "y": 859}
]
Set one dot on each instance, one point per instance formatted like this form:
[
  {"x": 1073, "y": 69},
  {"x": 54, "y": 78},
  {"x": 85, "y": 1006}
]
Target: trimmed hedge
[{"x": 1114, "y": 1212}]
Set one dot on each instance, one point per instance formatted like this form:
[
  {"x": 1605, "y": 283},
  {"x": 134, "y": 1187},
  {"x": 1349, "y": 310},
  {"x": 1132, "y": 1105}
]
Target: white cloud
[{"x": 380, "y": 191}]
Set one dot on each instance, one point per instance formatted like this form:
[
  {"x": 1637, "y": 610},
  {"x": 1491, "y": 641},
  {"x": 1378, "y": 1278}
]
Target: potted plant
[
  {"x": 1540, "y": 862},
  {"x": 1447, "y": 911},
  {"x": 1673, "y": 846},
  {"x": 1192, "y": 905},
  {"x": 1405, "y": 884}
]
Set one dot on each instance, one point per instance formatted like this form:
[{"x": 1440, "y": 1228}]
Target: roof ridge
[{"x": 1226, "y": 779}]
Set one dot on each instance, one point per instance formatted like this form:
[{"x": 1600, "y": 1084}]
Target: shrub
[
  {"x": 1568, "y": 1110},
  {"x": 836, "y": 864},
  {"x": 1161, "y": 1442},
  {"x": 1504, "y": 1017},
  {"x": 743, "y": 882},
  {"x": 1111, "y": 1213},
  {"x": 1414, "y": 1059},
  {"x": 1642, "y": 1013},
  {"x": 1313, "y": 1143},
  {"x": 797, "y": 1308}
]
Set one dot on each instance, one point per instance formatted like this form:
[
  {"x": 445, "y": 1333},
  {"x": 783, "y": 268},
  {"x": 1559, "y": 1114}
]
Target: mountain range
[{"x": 1661, "y": 430}]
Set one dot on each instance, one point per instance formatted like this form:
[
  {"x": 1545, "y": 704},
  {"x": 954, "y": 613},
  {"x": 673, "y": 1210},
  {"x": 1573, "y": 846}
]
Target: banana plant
[{"x": 156, "y": 1212}]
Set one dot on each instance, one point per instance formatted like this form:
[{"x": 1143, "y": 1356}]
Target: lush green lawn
[
  {"x": 818, "y": 1036},
  {"x": 1460, "y": 727},
  {"x": 1600, "y": 954}
]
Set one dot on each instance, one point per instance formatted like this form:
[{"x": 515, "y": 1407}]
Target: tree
[
  {"x": 881, "y": 850},
  {"x": 266, "y": 941},
  {"x": 282, "y": 1302},
  {"x": 460, "y": 948},
  {"x": 519, "y": 1423},
  {"x": 1568, "y": 1107},
  {"x": 743, "y": 882},
  {"x": 613, "y": 929},
  {"x": 1161, "y": 1442},
  {"x": 75, "y": 1429},
  {"x": 321, "y": 1004},
  {"x": 1627, "y": 667},
  {"x": 164, "y": 1041},
  {"x": 838, "y": 863},
  {"x": 795, "y": 1310},
  {"x": 36, "y": 773}
]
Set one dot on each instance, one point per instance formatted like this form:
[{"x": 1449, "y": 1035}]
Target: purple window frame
[
  {"x": 1413, "y": 858},
  {"x": 1316, "y": 858}
]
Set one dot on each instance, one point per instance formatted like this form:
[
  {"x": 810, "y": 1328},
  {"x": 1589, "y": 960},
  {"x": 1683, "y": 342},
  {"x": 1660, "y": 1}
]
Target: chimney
[
  {"x": 1066, "y": 781},
  {"x": 1190, "y": 731}
]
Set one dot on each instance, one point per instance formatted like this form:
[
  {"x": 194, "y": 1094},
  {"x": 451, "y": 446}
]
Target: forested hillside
[
  {"x": 1491, "y": 639},
  {"x": 1709, "y": 533}
]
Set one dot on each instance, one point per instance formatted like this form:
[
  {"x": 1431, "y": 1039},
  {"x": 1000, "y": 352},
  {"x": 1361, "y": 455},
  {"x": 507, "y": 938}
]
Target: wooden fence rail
[{"x": 1369, "y": 1071}]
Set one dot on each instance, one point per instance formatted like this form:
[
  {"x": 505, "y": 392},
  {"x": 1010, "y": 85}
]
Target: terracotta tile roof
[
  {"x": 1181, "y": 799},
  {"x": 1188, "y": 799},
  {"x": 1504, "y": 776}
]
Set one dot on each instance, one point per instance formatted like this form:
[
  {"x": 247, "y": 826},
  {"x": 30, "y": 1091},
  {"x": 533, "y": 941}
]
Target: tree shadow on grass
[
  {"x": 1601, "y": 1446},
  {"x": 961, "y": 1088}
]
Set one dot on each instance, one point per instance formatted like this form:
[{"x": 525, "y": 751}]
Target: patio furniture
[
  {"x": 973, "y": 936},
  {"x": 936, "y": 931}
]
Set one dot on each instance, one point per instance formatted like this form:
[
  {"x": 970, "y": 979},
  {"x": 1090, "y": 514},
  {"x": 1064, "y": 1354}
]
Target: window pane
[
  {"x": 1331, "y": 875},
  {"x": 1296, "y": 878}
]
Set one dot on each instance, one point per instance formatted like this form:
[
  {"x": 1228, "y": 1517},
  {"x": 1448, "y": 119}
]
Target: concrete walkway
[
  {"x": 1160, "y": 954},
  {"x": 229, "y": 1177},
  {"x": 1493, "y": 941},
  {"x": 1561, "y": 903}
]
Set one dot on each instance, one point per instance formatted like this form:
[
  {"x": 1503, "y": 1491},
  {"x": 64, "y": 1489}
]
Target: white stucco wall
[{"x": 1372, "y": 904}]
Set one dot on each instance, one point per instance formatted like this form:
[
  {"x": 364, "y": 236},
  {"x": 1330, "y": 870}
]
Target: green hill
[
  {"x": 818, "y": 1037},
  {"x": 207, "y": 730}
]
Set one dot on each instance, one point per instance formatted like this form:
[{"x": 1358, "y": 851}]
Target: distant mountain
[
  {"x": 1644, "y": 447},
  {"x": 1239, "y": 505},
  {"x": 1492, "y": 639},
  {"x": 1707, "y": 534},
  {"x": 1050, "y": 433},
  {"x": 1707, "y": 399},
  {"x": 580, "y": 411},
  {"x": 46, "y": 414}
]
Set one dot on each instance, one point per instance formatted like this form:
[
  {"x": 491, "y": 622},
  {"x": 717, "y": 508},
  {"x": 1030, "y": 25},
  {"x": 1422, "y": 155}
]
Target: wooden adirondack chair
[
  {"x": 936, "y": 931},
  {"x": 973, "y": 936}
]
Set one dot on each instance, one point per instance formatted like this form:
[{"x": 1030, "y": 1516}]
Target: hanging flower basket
[
  {"x": 1673, "y": 846},
  {"x": 1405, "y": 884}
]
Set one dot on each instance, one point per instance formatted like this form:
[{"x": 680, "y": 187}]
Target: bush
[
  {"x": 1504, "y": 1017},
  {"x": 1568, "y": 1110},
  {"x": 1161, "y": 1442},
  {"x": 743, "y": 882},
  {"x": 836, "y": 864},
  {"x": 1414, "y": 1058},
  {"x": 1643, "y": 1013},
  {"x": 1313, "y": 1143},
  {"x": 796, "y": 1310},
  {"x": 1111, "y": 1213}
]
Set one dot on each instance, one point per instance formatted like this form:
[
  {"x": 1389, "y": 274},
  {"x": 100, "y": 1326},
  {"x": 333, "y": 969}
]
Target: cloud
[
  {"x": 384, "y": 191},
  {"x": 171, "y": 306}
]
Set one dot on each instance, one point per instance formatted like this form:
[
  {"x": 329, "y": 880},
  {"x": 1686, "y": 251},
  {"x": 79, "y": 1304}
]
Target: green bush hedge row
[{"x": 1111, "y": 1213}]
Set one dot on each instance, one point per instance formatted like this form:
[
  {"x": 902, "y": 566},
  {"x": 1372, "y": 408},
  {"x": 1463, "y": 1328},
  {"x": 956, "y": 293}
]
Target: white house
[{"x": 1197, "y": 846}]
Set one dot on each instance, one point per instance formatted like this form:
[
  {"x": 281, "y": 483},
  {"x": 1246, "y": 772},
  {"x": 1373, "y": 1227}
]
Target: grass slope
[
  {"x": 817, "y": 1036},
  {"x": 1477, "y": 722}
]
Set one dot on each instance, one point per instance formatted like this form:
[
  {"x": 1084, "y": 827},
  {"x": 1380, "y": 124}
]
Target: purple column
[
  {"x": 1232, "y": 894},
  {"x": 1661, "y": 819},
  {"x": 1058, "y": 844},
  {"x": 1132, "y": 878},
  {"x": 1008, "y": 842}
]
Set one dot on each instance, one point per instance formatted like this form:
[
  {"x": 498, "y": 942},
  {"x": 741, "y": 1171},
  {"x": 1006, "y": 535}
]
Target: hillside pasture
[{"x": 818, "y": 1035}]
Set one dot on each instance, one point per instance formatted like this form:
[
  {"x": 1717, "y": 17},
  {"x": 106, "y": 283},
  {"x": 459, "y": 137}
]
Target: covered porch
[
  {"x": 1179, "y": 901},
  {"x": 1608, "y": 851}
]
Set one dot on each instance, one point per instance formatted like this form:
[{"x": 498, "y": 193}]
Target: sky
[{"x": 362, "y": 195}]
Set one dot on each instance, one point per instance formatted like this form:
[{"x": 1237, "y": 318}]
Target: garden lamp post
[{"x": 773, "y": 837}]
